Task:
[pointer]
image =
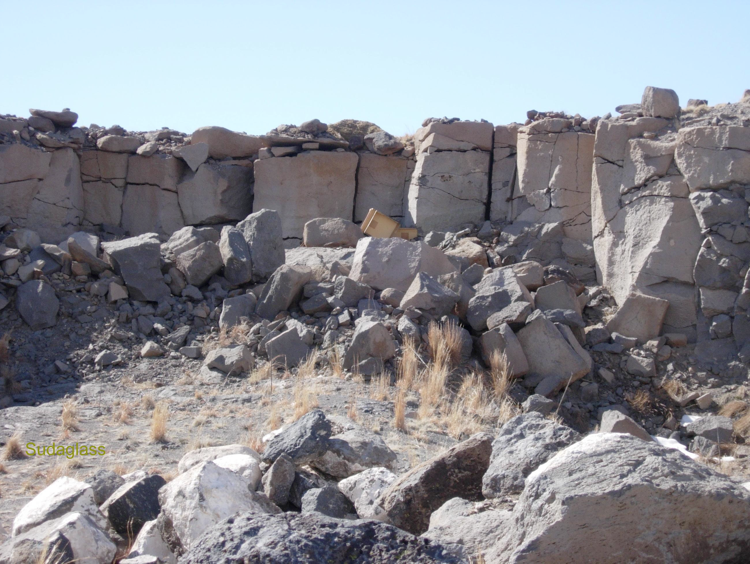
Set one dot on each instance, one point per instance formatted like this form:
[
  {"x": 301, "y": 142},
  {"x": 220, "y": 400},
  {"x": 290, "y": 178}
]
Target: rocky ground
[{"x": 323, "y": 365}]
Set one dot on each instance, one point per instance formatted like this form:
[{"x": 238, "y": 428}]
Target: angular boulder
[
  {"x": 235, "y": 253},
  {"x": 364, "y": 490},
  {"x": 133, "y": 504},
  {"x": 303, "y": 441},
  {"x": 282, "y": 290},
  {"x": 331, "y": 232},
  {"x": 640, "y": 316},
  {"x": 371, "y": 339},
  {"x": 410, "y": 500},
  {"x": 522, "y": 445},
  {"x": 138, "y": 261},
  {"x": 37, "y": 304},
  {"x": 263, "y": 232},
  {"x": 201, "y": 263},
  {"x": 427, "y": 294}
]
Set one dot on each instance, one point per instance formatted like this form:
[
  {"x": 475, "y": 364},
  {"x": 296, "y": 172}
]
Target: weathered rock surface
[
  {"x": 138, "y": 261},
  {"x": 223, "y": 143},
  {"x": 263, "y": 232},
  {"x": 133, "y": 504},
  {"x": 209, "y": 454},
  {"x": 331, "y": 232},
  {"x": 282, "y": 290},
  {"x": 371, "y": 340},
  {"x": 216, "y": 193},
  {"x": 410, "y": 500},
  {"x": 606, "y": 496},
  {"x": 521, "y": 446},
  {"x": 304, "y": 440},
  {"x": 364, "y": 490},
  {"x": 311, "y": 538},
  {"x": 38, "y": 305}
]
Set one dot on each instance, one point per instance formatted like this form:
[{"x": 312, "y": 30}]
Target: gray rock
[
  {"x": 613, "y": 421},
  {"x": 352, "y": 452},
  {"x": 494, "y": 292},
  {"x": 133, "y": 504},
  {"x": 235, "y": 253},
  {"x": 282, "y": 290},
  {"x": 38, "y": 305},
  {"x": 104, "y": 483},
  {"x": 65, "y": 118},
  {"x": 234, "y": 309},
  {"x": 287, "y": 349},
  {"x": 410, "y": 500},
  {"x": 305, "y": 479},
  {"x": 309, "y": 539},
  {"x": 232, "y": 359},
  {"x": 200, "y": 263},
  {"x": 714, "y": 427},
  {"x": 522, "y": 445},
  {"x": 350, "y": 291},
  {"x": 278, "y": 480},
  {"x": 383, "y": 143},
  {"x": 331, "y": 232},
  {"x": 327, "y": 501},
  {"x": 660, "y": 102},
  {"x": 371, "y": 340},
  {"x": 427, "y": 294},
  {"x": 640, "y": 316},
  {"x": 613, "y": 482},
  {"x": 539, "y": 404},
  {"x": 138, "y": 261},
  {"x": 23, "y": 239},
  {"x": 304, "y": 440},
  {"x": 364, "y": 491},
  {"x": 262, "y": 231}
]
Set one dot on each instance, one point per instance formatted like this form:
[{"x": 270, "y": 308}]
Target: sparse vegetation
[
  {"x": 305, "y": 398},
  {"x": 159, "y": 419},
  {"x": 13, "y": 449},
  {"x": 399, "y": 411}
]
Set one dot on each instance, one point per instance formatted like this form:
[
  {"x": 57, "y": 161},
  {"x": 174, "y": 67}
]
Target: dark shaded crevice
[
  {"x": 488, "y": 205},
  {"x": 356, "y": 187}
]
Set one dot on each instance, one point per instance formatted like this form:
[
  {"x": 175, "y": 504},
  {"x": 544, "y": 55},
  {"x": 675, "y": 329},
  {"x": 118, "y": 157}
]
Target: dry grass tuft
[
  {"x": 305, "y": 399},
  {"x": 733, "y": 408},
  {"x": 159, "y": 420},
  {"x": 262, "y": 373},
  {"x": 674, "y": 388},
  {"x": 640, "y": 401},
  {"x": 13, "y": 449},
  {"x": 444, "y": 344},
  {"x": 69, "y": 416},
  {"x": 123, "y": 413},
  {"x": 148, "y": 402},
  {"x": 742, "y": 425},
  {"x": 399, "y": 411},
  {"x": 408, "y": 367},
  {"x": 307, "y": 368},
  {"x": 351, "y": 410},
  {"x": 254, "y": 441},
  {"x": 380, "y": 387},
  {"x": 274, "y": 419},
  {"x": 500, "y": 374},
  {"x": 336, "y": 362}
]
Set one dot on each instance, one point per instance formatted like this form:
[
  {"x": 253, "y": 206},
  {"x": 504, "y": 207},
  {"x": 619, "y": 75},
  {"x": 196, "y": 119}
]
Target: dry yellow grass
[
  {"x": 159, "y": 420},
  {"x": 351, "y": 411},
  {"x": 380, "y": 387},
  {"x": 432, "y": 388},
  {"x": 742, "y": 425},
  {"x": 148, "y": 401},
  {"x": 254, "y": 441},
  {"x": 274, "y": 420},
  {"x": 3, "y": 470},
  {"x": 120, "y": 469},
  {"x": 336, "y": 362},
  {"x": 408, "y": 367},
  {"x": 264, "y": 372},
  {"x": 13, "y": 449},
  {"x": 122, "y": 413},
  {"x": 307, "y": 368},
  {"x": 399, "y": 411},
  {"x": 640, "y": 401},
  {"x": 674, "y": 388},
  {"x": 444, "y": 344},
  {"x": 500, "y": 374},
  {"x": 305, "y": 399},
  {"x": 733, "y": 408},
  {"x": 69, "y": 416},
  {"x": 57, "y": 471}
]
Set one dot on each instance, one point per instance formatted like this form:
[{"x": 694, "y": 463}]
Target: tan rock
[
  {"x": 382, "y": 183},
  {"x": 216, "y": 193},
  {"x": 223, "y": 143}
]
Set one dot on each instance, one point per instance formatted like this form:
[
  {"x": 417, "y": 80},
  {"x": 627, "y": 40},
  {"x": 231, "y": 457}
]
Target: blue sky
[{"x": 251, "y": 66}]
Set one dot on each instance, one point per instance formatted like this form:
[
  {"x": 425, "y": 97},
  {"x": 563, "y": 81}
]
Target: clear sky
[{"x": 251, "y": 66}]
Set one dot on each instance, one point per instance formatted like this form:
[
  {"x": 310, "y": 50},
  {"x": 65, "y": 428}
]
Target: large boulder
[
  {"x": 427, "y": 294},
  {"x": 554, "y": 361},
  {"x": 352, "y": 452},
  {"x": 660, "y": 102},
  {"x": 371, "y": 340},
  {"x": 233, "y": 310},
  {"x": 393, "y": 263},
  {"x": 209, "y": 454},
  {"x": 331, "y": 232},
  {"x": 64, "y": 495},
  {"x": 73, "y": 537},
  {"x": 309, "y": 539},
  {"x": 138, "y": 261},
  {"x": 133, "y": 504},
  {"x": 640, "y": 317},
  {"x": 216, "y": 193},
  {"x": 263, "y": 232},
  {"x": 282, "y": 290},
  {"x": 310, "y": 185},
  {"x": 522, "y": 445},
  {"x": 304, "y": 440},
  {"x": 607, "y": 496},
  {"x": 235, "y": 253},
  {"x": 410, "y": 500},
  {"x": 38, "y": 305},
  {"x": 287, "y": 349},
  {"x": 497, "y": 291},
  {"x": 223, "y": 143},
  {"x": 204, "y": 495},
  {"x": 201, "y": 263},
  {"x": 713, "y": 157},
  {"x": 364, "y": 490},
  {"x": 503, "y": 341}
]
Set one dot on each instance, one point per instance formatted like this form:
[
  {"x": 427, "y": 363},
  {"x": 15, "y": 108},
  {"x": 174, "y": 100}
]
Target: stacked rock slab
[
  {"x": 503, "y": 206},
  {"x": 305, "y": 186},
  {"x": 449, "y": 186},
  {"x": 554, "y": 175},
  {"x": 382, "y": 182},
  {"x": 669, "y": 215}
]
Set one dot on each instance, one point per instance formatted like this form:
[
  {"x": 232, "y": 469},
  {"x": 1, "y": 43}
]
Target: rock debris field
[{"x": 205, "y": 359}]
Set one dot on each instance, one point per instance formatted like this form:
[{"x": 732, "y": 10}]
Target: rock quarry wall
[{"x": 653, "y": 201}]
